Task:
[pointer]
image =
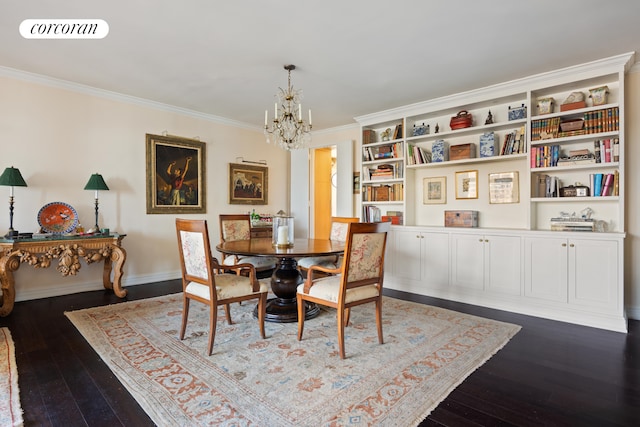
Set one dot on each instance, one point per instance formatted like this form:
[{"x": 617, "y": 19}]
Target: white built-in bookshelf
[{"x": 548, "y": 154}]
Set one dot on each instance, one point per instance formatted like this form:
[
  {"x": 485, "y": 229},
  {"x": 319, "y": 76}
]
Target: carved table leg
[
  {"x": 8, "y": 264},
  {"x": 117, "y": 259}
]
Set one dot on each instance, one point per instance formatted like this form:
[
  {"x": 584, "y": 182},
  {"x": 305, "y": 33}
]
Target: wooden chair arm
[
  {"x": 239, "y": 268},
  {"x": 308, "y": 283}
]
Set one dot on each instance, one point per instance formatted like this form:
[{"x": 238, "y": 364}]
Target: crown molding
[{"x": 119, "y": 97}]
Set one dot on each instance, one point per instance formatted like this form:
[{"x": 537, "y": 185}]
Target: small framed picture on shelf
[
  {"x": 434, "y": 190},
  {"x": 467, "y": 184},
  {"x": 504, "y": 187}
]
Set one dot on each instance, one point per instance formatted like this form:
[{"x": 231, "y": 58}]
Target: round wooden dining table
[{"x": 286, "y": 277}]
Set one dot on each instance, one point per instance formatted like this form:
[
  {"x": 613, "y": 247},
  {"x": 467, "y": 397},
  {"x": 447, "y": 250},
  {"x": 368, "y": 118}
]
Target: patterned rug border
[
  {"x": 10, "y": 409},
  {"x": 157, "y": 406}
]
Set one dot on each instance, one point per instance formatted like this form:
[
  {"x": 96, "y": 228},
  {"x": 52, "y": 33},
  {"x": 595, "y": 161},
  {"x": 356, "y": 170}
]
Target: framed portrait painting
[
  {"x": 434, "y": 190},
  {"x": 176, "y": 175},
  {"x": 467, "y": 185},
  {"x": 248, "y": 184}
]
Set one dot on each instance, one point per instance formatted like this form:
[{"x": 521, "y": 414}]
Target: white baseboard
[{"x": 58, "y": 289}]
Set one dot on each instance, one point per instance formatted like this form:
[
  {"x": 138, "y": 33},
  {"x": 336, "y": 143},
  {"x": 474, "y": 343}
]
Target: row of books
[
  {"x": 598, "y": 121},
  {"x": 383, "y": 193},
  {"x": 371, "y": 214},
  {"x": 606, "y": 150},
  {"x": 604, "y": 184},
  {"x": 572, "y": 224},
  {"x": 600, "y": 185},
  {"x": 384, "y": 171},
  {"x": 417, "y": 155},
  {"x": 514, "y": 142},
  {"x": 545, "y": 156},
  {"x": 391, "y": 151},
  {"x": 394, "y": 217}
]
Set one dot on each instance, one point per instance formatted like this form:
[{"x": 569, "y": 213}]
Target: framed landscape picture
[
  {"x": 248, "y": 184},
  {"x": 176, "y": 179},
  {"x": 434, "y": 190}
]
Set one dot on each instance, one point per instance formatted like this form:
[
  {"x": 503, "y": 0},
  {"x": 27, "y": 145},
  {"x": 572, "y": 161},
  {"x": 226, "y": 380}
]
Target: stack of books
[{"x": 572, "y": 224}]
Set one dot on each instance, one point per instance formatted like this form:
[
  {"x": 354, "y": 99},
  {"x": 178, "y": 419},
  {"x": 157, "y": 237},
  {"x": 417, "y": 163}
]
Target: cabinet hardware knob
[
  {"x": 571, "y": 245},
  {"x": 486, "y": 240},
  {"x": 480, "y": 240},
  {"x": 564, "y": 245}
]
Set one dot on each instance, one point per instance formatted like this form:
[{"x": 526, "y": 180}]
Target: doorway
[
  {"x": 301, "y": 185},
  {"x": 324, "y": 173}
]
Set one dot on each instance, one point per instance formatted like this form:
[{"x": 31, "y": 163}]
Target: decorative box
[
  {"x": 571, "y": 125},
  {"x": 518, "y": 113},
  {"x": 420, "y": 130},
  {"x": 462, "y": 120},
  {"x": 466, "y": 219},
  {"x": 574, "y": 101},
  {"x": 462, "y": 151},
  {"x": 487, "y": 144},
  {"x": 545, "y": 105},
  {"x": 440, "y": 151},
  {"x": 599, "y": 95}
]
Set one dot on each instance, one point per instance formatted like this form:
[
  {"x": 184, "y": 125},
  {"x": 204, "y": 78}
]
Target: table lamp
[
  {"x": 96, "y": 182},
  {"x": 12, "y": 177}
]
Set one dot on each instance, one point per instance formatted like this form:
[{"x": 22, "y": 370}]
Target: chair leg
[
  {"x": 262, "y": 309},
  {"x": 347, "y": 315},
  {"x": 340, "y": 322},
  {"x": 301, "y": 313},
  {"x": 227, "y": 310},
  {"x": 213, "y": 315},
  {"x": 379, "y": 319},
  {"x": 185, "y": 315}
]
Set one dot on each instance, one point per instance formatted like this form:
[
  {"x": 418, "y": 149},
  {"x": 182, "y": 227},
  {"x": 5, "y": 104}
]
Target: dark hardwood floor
[{"x": 549, "y": 374}]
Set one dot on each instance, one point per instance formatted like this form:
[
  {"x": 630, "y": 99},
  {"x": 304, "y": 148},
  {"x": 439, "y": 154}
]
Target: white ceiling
[{"x": 353, "y": 57}]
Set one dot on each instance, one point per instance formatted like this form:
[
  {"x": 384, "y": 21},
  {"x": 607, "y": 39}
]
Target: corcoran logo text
[{"x": 64, "y": 28}]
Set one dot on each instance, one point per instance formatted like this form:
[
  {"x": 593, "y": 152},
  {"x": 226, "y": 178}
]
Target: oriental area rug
[
  {"x": 10, "y": 409},
  {"x": 280, "y": 381}
]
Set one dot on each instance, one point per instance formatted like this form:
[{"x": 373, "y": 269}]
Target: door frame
[{"x": 301, "y": 183}]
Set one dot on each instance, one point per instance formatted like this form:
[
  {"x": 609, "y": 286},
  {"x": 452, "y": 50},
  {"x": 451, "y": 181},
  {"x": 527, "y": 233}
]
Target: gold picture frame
[
  {"x": 248, "y": 184},
  {"x": 176, "y": 175},
  {"x": 467, "y": 184},
  {"x": 434, "y": 190},
  {"x": 504, "y": 187}
]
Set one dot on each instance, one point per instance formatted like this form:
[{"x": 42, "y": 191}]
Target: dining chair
[
  {"x": 339, "y": 225},
  {"x": 357, "y": 281},
  {"x": 204, "y": 281},
  {"x": 238, "y": 227}
]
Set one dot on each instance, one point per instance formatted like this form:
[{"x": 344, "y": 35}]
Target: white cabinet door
[
  {"x": 503, "y": 264},
  {"x": 467, "y": 261},
  {"x": 406, "y": 254},
  {"x": 435, "y": 260},
  {"x": 593, "y": 273},
  {"x": 546, "y": 268}
]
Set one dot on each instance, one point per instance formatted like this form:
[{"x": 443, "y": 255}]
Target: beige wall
[
  {"x": 632, "y": 184},
  {"x": 59, "y": 136}
]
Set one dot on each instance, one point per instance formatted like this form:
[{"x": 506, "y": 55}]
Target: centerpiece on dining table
[{"x": 282, "y": 236}]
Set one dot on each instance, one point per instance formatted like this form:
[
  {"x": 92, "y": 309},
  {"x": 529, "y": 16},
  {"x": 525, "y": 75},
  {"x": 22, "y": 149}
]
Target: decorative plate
[{"x": 57, "y": 217}]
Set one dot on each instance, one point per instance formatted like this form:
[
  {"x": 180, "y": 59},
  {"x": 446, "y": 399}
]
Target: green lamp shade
[
  {"x": 12, "y": 177},
  {"x": 96, "y": 182}
]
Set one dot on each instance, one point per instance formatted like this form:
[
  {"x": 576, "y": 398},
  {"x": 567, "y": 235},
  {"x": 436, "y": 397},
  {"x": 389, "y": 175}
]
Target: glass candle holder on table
[{"x": 282, "y": 236}]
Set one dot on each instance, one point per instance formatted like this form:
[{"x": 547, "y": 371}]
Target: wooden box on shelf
[
  {"x": 462, "y": 151},
  {"x": 466, "y": 219},
  {"x": 573, "y": 106},
  {"x": 382, "y": 193}
]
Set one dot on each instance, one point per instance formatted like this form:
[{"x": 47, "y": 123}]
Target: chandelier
[{"x": 288, "y": 129}]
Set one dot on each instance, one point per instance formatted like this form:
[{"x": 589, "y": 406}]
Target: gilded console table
[{"x": 66, "y": 252}]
